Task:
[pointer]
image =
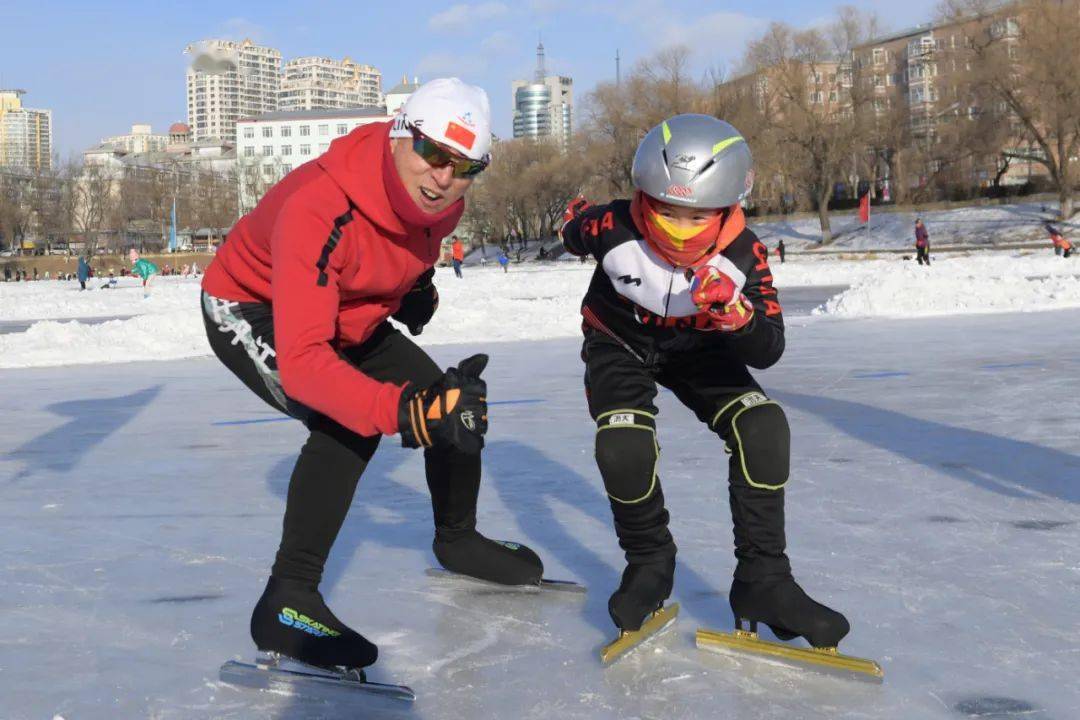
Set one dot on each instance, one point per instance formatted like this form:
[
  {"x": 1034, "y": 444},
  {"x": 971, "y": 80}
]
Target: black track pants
[
  {"x": 333, "y": 458},
  {"x": 706, "y": 381}
]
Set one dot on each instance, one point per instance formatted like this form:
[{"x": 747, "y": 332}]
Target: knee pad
[
  {"x": 756, "y": 433},
  {"x": 627, "y": 454}
]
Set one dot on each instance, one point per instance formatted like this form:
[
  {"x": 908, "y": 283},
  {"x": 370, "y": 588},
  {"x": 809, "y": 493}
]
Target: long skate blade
[
  {"x": 659, "y": 621},
  {"x": 564, "y": 586},
  {"x": 822, "y": 659},
  {"x": 278, "y": 673}
]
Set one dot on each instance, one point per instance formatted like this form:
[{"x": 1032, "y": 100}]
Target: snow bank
[
  {"x": 976, "y": 225},
  {"x": 528, "y": 303},
  {"x": 1000, "y": 283}
]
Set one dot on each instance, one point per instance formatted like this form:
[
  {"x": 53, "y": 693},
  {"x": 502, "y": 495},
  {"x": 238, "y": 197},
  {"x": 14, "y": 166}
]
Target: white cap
[{"x": 449, "y": 112}]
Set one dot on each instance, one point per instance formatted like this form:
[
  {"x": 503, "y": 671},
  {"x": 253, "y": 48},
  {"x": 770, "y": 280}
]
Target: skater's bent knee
[
  {"x": 761, "y": 444},
  {"x": 627, "y": 454}
]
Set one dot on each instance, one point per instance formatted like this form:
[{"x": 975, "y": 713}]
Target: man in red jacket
[{"x": 296, "y": 304}]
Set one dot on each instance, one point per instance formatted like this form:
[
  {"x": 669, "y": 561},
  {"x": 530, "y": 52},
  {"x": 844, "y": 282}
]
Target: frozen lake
[{"x": 934, "y": 499}]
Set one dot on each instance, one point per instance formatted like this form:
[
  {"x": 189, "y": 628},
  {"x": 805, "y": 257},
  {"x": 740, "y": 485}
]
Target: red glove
[
  {"x": 715, "y": 294},
  {"x": 577, "y": 206}
]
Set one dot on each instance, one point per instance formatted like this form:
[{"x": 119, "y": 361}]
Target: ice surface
[{"x": 935, "y": 499}]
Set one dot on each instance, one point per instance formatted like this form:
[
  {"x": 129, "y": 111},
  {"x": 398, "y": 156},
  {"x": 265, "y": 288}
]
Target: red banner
[{"x": 864, "y": 208}]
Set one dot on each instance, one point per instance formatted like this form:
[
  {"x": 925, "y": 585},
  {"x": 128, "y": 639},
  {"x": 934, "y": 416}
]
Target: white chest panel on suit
[{"x": 646, "y": 279}]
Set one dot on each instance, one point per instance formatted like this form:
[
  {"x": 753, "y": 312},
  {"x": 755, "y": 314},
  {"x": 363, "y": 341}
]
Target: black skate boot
[
  {"x": 472, "y": 554},
  {"x": 291, "y": 618},
  {"x": 787, "y": 610},
  {"x": 643, "y": 589}
]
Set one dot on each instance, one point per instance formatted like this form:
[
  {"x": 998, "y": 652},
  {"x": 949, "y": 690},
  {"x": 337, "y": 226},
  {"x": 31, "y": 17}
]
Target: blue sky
[{"x": 104, "y": 65}]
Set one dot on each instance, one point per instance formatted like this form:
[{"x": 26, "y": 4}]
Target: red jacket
[
  {"x": 328, "y": 295},
  {"x": 457, "y": 250}
]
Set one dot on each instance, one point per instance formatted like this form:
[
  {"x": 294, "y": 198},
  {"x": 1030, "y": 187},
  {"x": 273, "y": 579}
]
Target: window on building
[
  {"x": 286, "y": 168},
  {"x": 342, "y": 128},
  {"x": 268, "y": 150},
  {"x": 832, "y": 96},
  {"x": 305, "y": 149},
  {"x": 249, "y": 151},
  {"x": 268, "y": 131},
  {"x": 249, "y": 132},
  {"x": 324, "y": 129},
  {"x": 286, "y": 131},
  {"x": 879, "y": 56},
  {"x": 268, "y": 171},
  {"x": 305, "y": 130},
  {"x": 323, "y": 147}
]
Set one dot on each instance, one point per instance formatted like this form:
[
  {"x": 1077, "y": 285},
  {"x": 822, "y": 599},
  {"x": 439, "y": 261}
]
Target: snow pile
[
  {"x": 53, "y": 299},
  {"x": 962, "y": 285},
  {"x": 528, "y": 303}
]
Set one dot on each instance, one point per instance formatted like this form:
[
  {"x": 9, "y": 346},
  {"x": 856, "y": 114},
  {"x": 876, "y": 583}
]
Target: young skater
[{"x": 682, "y": 296}]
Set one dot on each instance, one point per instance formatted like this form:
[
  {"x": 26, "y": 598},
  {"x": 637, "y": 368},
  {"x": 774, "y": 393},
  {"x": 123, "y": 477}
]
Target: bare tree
[
  {"x": 92, "y": 199},
  {"x": 1023, "y": 58}
]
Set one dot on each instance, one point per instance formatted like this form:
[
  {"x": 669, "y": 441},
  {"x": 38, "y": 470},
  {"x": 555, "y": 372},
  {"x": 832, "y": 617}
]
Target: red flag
[{"x": 864, "y": 208}]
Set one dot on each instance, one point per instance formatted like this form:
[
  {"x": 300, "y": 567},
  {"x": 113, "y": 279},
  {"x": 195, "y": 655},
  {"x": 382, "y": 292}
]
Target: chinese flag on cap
[{"x": 461, "y": 135}]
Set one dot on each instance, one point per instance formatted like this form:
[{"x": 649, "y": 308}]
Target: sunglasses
[{"x": 438, "y": 156}]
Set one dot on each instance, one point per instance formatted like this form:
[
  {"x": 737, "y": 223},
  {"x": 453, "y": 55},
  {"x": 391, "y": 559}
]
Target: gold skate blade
[
  {"x": 630, "y": 639},
  {"x": 826, "y": 659}
]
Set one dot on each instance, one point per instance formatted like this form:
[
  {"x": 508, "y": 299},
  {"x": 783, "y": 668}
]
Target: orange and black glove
[
  {"x": 576, "y": 206},
  {"x": 419, "y": 304},
  {"x": 451, "y": 412},
  {"x": 716, "y": 295}
]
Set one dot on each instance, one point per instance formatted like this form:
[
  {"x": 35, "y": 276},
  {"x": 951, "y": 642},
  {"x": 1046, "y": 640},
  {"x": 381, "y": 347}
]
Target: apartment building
[
  {"x": 227, "y": 80},
  {"x": 272, "y": 144},
  {"x": 26, "y": 140},
  {"x": 321, "y": 83},
  {"x": 141, "y": 139}
]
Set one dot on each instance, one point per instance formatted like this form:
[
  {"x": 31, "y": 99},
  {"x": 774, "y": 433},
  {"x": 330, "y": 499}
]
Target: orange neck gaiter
[{"x": 685, "y": 248}]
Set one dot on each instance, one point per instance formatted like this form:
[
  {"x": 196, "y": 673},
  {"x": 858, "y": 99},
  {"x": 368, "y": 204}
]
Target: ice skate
[
  {"x": 500, "y": 562},
  {"x": 292, "y": 619},
  {"x": 302, "y": 645},
  {"x": 789, "y": 612},
  {"x": 637, "y": 607}
]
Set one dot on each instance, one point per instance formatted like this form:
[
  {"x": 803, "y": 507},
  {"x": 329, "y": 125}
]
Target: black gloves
[
  {"x": 452, "y": 411},
  {"x": 419, "y": 304}
]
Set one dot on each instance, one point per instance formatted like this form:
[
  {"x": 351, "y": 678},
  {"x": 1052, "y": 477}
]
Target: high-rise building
[
  {"x": 229, "y": 80},
  {"x": 544, "y": 106},
  {"x": 141, "y": 139},
  {"x": 321, "y": 83},
  {"x": 25, "y": 134}
]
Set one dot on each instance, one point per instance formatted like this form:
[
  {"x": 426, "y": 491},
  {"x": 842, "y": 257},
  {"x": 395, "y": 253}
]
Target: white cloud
[
  {"x": 717, "y": 36},
  {"x": 499, "y": 42},
  {"x": 466, "y": 17},
  {"x": 436, "y": 65}
]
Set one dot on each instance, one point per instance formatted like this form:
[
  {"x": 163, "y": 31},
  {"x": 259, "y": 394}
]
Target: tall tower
[{"x": 543, "y": 107}]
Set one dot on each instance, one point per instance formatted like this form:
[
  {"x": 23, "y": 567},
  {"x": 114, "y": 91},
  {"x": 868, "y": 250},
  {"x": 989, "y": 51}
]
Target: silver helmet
[{"x": 694, "y": 161}]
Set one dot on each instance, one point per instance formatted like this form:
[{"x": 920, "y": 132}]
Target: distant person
[
  {"x": 457, "y": 254},
  {"x": 504, "y": 260},
  {"x": 143, "y": 268},
  {"x": 780, "y": 250},
  {"x": 7, "y": 274},
  {"x": 35, "y": 273},
  {"x": 83, "y": 272},
  {"x": 194, "y": 269},
  {"x": 922, "y": 243},
  {"x": 1061, "y": 245}
]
